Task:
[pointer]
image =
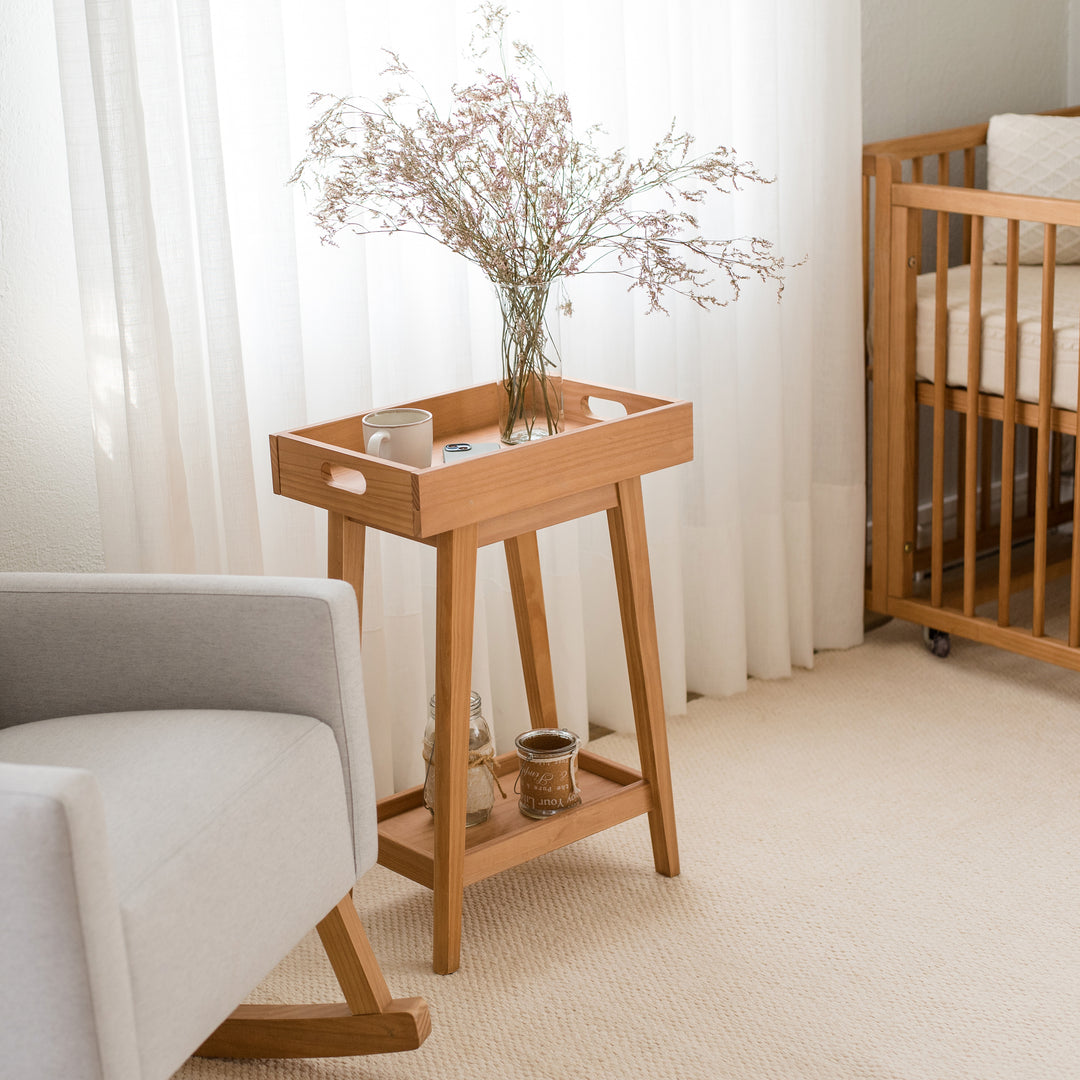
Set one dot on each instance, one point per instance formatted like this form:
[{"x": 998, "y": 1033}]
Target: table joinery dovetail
[{"x": 594, "y": 464}]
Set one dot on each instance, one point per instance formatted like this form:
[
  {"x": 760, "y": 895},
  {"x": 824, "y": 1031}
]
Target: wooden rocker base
[
  {"x": 368, "y": 1022},
  {"x": 291, "y": 1031}
]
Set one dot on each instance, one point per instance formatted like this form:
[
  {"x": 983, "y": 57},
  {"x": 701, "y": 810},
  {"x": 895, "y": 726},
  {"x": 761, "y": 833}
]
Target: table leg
[
  {"x": 527, "y": 590},
  {"x": 345, "y": 540},
  {"x": 626, "y": 524},
  {"x": 455, "y": 587}
]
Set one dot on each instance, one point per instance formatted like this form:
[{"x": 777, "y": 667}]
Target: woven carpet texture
[{"x": 880, "y": 881}]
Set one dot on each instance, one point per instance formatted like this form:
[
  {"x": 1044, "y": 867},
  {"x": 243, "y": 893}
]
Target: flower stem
[{"x": 531, "y": 377}]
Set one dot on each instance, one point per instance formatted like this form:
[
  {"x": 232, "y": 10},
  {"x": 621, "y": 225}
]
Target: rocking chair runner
[
  {"x": 185, "y": 790},
  {"x": 369, "y": 1022}
]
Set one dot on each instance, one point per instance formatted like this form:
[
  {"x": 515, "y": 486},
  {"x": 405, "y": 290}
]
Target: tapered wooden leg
[
  {"x": 454, "y": 601},
  {"x": 626, "y": 524},
  {"x": 345, "y": 541},
  {"x": 527, "y": 590},
  {"x": 370, "y": 1021},
  {"x": 351, "y": 956}
]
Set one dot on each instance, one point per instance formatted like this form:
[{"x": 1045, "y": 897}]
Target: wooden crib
[{"x": 973, "y": 420}]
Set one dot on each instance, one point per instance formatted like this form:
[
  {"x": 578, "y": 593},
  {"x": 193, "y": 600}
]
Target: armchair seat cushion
[{"x": 188, "y": 796}]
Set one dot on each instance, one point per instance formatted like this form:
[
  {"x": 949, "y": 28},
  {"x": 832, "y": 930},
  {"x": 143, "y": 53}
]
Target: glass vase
[
  {"x": 531, "y": 402},
  {"x": 480, "y": 779}
]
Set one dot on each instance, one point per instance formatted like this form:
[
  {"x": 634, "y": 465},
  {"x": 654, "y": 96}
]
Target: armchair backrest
[{"x": 72, "y": 644}]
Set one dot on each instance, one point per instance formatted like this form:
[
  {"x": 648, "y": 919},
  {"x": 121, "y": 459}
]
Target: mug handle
[{"x": 376, "y": 443}]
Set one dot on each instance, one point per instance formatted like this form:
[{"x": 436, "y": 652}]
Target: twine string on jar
[
  {"x": 477, "y": 759},
  {"x": 486, "y": 758}
]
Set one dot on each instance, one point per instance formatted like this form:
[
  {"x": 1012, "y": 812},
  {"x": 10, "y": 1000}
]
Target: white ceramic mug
[{"x": 402, "y": 435}]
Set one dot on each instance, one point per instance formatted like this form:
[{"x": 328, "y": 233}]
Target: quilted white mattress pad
[{"x": 1029, "y": 311}]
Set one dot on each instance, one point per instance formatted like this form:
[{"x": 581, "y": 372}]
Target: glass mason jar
[
  {"x": 480, "y": 789},
  {"x": 547, "y": 776}
]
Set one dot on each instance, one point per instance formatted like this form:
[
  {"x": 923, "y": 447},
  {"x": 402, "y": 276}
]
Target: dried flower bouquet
[{"x": 503, "y": 180}]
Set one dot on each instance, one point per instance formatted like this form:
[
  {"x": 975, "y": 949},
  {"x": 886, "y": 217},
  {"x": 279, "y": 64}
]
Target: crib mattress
[{"x": 1029, "y": 312}]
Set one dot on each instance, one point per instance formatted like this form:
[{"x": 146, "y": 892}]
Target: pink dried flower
[{"x": 503, "y": 180}]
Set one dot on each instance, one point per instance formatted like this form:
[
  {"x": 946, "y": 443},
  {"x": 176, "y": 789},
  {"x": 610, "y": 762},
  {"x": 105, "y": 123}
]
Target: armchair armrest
[
  {"x": 90, "y": 643},
  {"x": 63, "y": 962}
]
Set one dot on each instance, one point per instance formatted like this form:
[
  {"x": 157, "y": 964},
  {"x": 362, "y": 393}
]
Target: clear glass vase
[
  {"x": 480, "y": 779},
  {"x": 531, "y": 402}
]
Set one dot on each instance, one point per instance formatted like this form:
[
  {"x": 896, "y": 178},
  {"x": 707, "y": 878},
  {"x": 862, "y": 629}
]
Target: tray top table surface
[{"x": 324, "y": 464}]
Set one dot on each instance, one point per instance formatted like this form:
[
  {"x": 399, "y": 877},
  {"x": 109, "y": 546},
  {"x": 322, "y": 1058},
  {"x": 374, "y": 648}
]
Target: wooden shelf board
[{"x": 610, "y": 793}]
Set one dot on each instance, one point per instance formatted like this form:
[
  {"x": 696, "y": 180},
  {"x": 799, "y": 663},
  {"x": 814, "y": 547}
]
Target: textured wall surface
[
  {"x": 929, "y": 64},
  {"x": 48, "y": 494}
]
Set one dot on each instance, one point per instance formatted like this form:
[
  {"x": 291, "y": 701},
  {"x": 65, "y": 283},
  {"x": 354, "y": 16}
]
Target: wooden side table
[{"x": 595, "y": 464}]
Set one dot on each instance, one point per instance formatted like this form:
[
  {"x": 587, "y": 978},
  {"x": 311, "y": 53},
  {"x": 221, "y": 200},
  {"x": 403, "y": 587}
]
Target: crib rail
[
  {"x": 942, "y": 582},
  {"x": 953, "y": 156},
  {"x": 977, "y": 202}
]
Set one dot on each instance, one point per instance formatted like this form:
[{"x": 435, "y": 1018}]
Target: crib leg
[{"x": 937, "y": 641}]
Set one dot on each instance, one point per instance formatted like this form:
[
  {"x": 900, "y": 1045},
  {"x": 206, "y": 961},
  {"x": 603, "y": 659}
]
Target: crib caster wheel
[{"x": 937, "y": 641}]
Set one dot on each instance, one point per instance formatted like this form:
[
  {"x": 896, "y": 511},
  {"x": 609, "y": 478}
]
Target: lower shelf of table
[{"x": 610, "y": 794}]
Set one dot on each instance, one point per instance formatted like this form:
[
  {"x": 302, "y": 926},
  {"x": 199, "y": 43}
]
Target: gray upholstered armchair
[{"x": 185, "y": 790}]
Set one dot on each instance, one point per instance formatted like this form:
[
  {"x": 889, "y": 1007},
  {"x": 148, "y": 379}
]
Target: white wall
[
  {"x": 48, "y": 494},
  {"x": 930, "y": 64},
  {"x": 1073, "y": 90}
]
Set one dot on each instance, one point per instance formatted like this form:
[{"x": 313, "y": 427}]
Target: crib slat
[
  {"x": 917, "y": 178},
  {"x": 969, "y": 181},
  {"x": 901, "y": 407},
  {"x": 1074, "y": 570},
  {"x": 1042, "y": 466},
  {"x": 943, "y": 179},
  {"x": 974, "y": 380},
  {"x": 1032, "y": 452},
  {"x": 986, "y": 472},
  {"x": 1008, "y": 426},
  {"x": 961, "y": 476},
  {"x": 886, "y": 174},
  {"x": 1056, "y": 443},
  {"x": 866, "y": 253},
  {"x": 912, "y": 492},
  {"x": 1074, "y": 580},
  {"x": 941, "y": 346}
]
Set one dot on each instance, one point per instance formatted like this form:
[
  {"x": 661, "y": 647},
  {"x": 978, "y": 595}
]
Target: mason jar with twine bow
[{"x": 482, "y": 781}]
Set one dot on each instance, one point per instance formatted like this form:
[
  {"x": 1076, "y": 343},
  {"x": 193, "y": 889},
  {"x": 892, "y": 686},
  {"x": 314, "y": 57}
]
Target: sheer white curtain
[{"x": 213, "y": 317}]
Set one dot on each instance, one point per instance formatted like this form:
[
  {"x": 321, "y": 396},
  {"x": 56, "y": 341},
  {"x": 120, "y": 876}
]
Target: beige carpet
[{"x": 881, "y": 879}]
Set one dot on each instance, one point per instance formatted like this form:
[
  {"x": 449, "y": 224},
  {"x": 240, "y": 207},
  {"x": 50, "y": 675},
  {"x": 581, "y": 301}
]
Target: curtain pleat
[{"x": 214, "y": 316}]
